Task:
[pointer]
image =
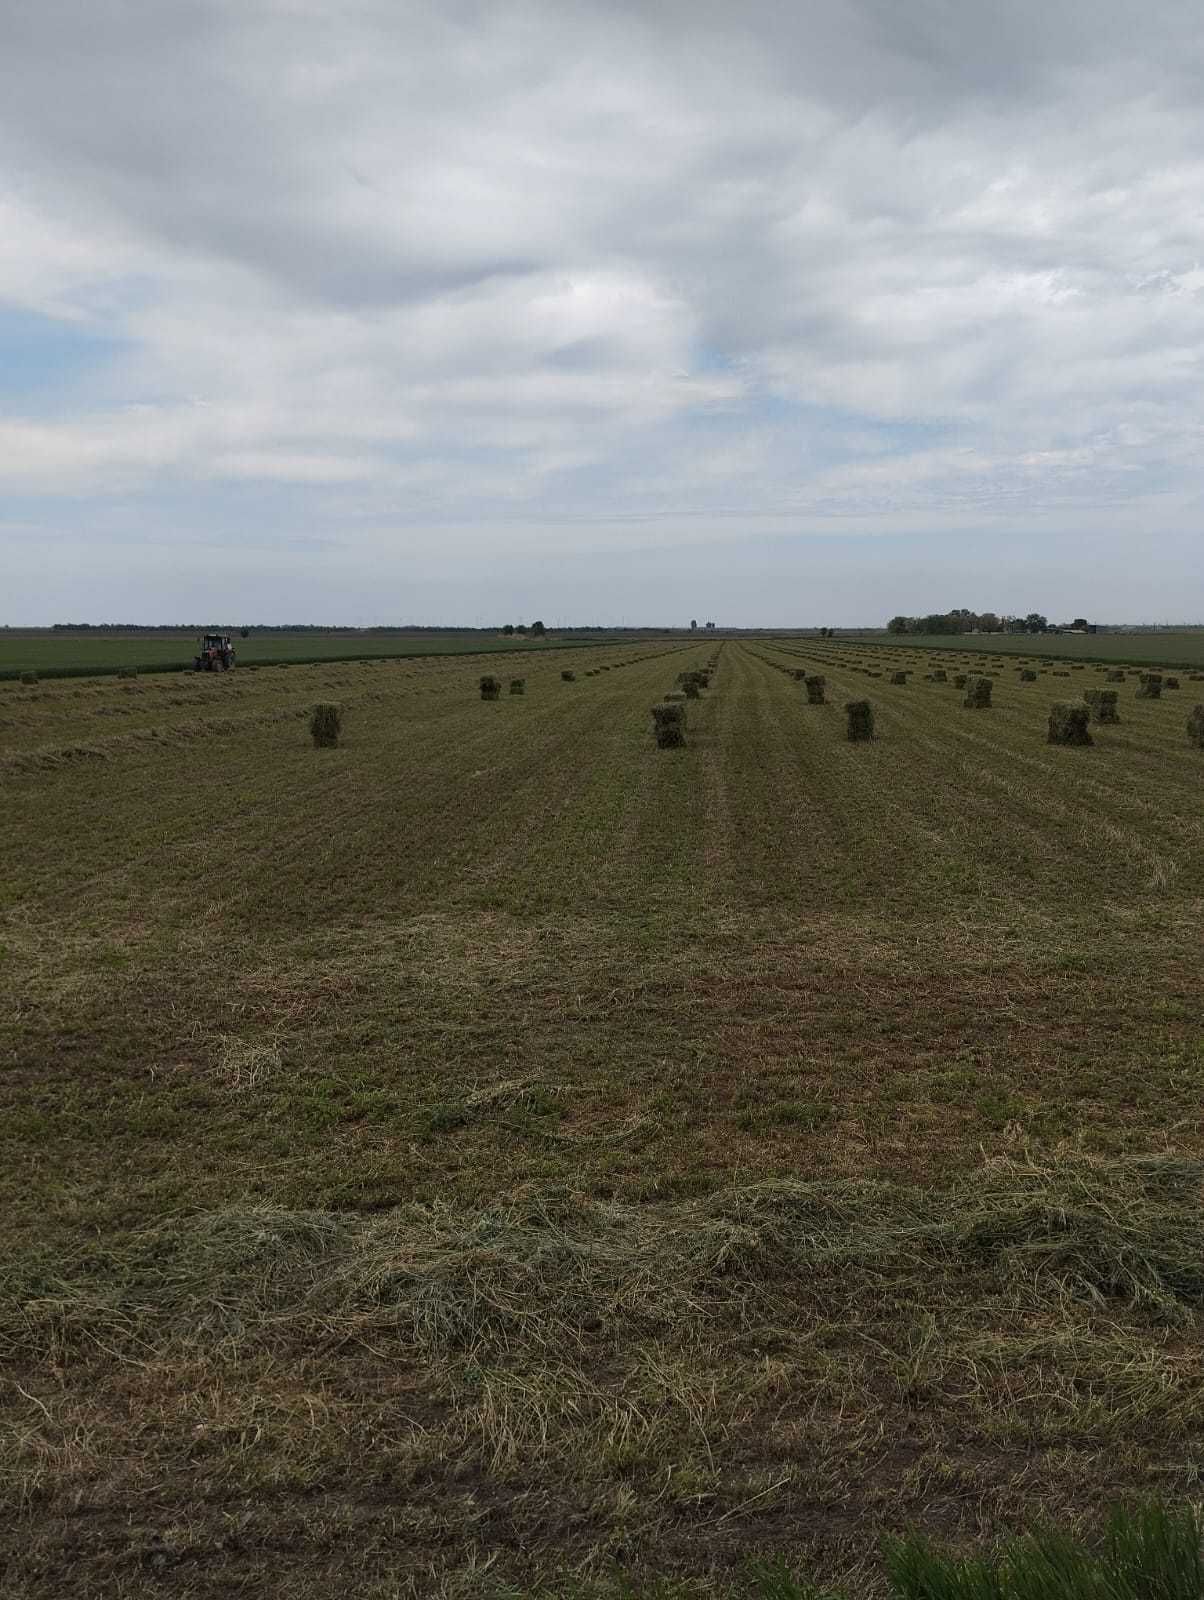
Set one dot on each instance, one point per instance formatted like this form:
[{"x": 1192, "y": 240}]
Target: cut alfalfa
[
  {"x": 568, "y": 677},
  {"x": 1027, "y": 675},
  {"x": 669, "y": 725},
  {"x": 1115, "y": 676},
  {"x": 940, "y": 676},
  {"x": 898, "y": 678},
  {"x": 325, "y": 725},
  {"x": 978, "y": 694},
  {"x": 959, "y": 680},
  {"x": 1170, "y": 683},
  {"x": 1101, "y": 703},
  {"x": 1195, "y": 727},
  {"x": 815, "y": 686},
  {"x": 491, "y": 688},
  {"x": 1068, "y": 723},
  {"x": 1150, "y": 686},
  {"x": 518, "y": 686},
  {"x": 860, "y": 715}
]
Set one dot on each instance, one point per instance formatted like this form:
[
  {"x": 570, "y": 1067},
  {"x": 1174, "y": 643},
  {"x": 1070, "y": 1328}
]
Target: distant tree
[
  {"x": 1080, "y": 622},
  {"x": 538, "y": 630},
  {"x": 898, "y": 625},
  {"x": 244, "y": 633},
  {"x": 522, "y": 628},
  {"x": 1036, "y": 623},
  {"x": 508, "y": 630},
  {"x": 710, "y": 625},
  {"x": 988, "y": 622},
  {"x": 693, "y": 625}
]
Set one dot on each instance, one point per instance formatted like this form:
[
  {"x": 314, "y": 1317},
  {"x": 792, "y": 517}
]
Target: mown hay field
[
  {"x": 1182, "y": 648},
  {"x": 497, "y": 1155}
]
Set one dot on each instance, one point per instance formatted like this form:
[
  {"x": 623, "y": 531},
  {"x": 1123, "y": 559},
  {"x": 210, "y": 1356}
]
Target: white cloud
[{"x": 604, "y": 266}]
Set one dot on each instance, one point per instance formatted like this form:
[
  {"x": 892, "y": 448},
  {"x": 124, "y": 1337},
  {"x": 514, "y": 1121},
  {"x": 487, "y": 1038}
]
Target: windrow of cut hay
[
  {"x": 161, "y": 736},
  {"x": 548, "y": 1272}
]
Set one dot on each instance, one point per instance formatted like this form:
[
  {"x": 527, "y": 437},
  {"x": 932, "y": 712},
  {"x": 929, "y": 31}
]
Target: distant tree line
[
  {"x": 962, "y": 621},
  {"x": 535, "y": 629}
]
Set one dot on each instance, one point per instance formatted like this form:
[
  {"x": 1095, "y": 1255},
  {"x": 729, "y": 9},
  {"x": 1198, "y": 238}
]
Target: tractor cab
[{"x": 216, "y": 654}]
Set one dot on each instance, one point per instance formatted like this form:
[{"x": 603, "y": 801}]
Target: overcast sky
[{"x": 777, "y": 313}]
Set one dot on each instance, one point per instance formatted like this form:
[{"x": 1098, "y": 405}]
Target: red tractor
[{"x": 216, "y": 654}]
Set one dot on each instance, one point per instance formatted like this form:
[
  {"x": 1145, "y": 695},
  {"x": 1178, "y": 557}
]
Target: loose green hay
[
  {"x": 491, "y": 688},
  {"x": 1068, "y": 723},
  {"x": 326, "y": 724},
  {"x": 860, "y": 724},
  {"x": 669, "y": 725}
]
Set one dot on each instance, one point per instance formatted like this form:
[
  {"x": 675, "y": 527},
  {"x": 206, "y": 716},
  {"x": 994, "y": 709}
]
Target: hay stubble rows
[{"x": 494, "y": 1147}]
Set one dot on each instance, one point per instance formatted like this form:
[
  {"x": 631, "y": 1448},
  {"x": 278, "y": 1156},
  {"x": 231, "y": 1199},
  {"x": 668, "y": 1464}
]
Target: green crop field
[
  {"x": 1181, "y": 649},
  {"x": 52, "y": 653},
  {"x": 499, "y": 1156}
]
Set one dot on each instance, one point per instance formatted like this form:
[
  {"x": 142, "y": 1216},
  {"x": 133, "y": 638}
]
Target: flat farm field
[
  {"x": 1174, "y": 649},
  {"x": 498, "y": 1156},
  {"x": 51, "y": 653}
]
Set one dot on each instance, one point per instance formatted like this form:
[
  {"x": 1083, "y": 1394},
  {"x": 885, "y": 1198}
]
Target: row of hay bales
[
  {"x": 491, "y": 687},
  {"x": 870, "y": 658},
  {"x": 326, "y": 718},
  {"x": 669, "y": 717},
  {"x": 859, "y": 714},
  {"x": 1068, "y": 721}
]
